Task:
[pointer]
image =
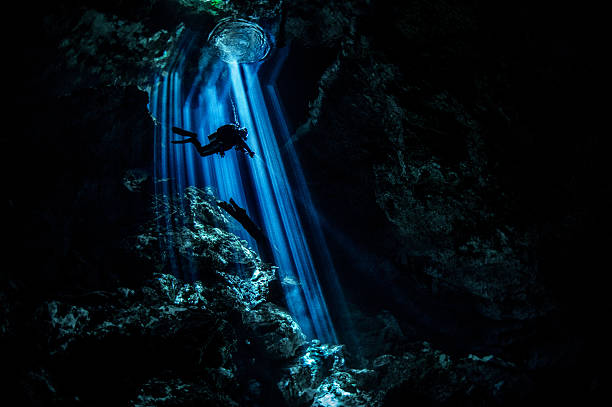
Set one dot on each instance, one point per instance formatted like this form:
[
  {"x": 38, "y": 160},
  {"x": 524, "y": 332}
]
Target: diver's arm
[{"x": 244, "y": 145}]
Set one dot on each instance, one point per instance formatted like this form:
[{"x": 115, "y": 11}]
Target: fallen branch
[{"x": 240, "y": 214}]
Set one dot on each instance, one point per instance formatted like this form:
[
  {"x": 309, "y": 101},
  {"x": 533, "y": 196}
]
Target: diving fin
[{"x": 183, "y": 133}]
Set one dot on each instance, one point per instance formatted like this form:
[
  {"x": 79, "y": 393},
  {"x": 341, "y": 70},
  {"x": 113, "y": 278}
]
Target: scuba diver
[{"x": 226, "y": 137}]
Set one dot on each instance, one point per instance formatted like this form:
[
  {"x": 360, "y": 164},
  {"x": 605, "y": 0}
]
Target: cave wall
[
  {"x": 453, "y": 150},
  {"x": 463, "y": 136}
]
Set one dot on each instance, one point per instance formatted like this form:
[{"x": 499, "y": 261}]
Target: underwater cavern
[{"x": 303, "y": 203}]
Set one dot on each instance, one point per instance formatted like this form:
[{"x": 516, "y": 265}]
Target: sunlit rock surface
[
  {"x": 196, "y": 228},
  {"x": 321, "y": 377},
  {"x": 303, "y": 378},
  {"x": 275, "y": 330}
]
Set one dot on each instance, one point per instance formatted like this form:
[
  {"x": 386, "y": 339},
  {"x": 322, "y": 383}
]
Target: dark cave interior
[{"x": 450, "y": 148}]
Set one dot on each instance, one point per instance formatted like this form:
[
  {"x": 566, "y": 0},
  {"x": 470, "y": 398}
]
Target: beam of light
[
  {"x": 165, "y": 96},
  {"x": 298, "y": 254},
  {"x": 222, "y": 93},
  {"x": 302, "y": 194}
]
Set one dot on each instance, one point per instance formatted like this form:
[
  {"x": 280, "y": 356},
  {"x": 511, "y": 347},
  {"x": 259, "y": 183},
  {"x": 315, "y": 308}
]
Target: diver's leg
[
  {"x": 209, "y": 149},
  {"x": 192, "y": 140}
]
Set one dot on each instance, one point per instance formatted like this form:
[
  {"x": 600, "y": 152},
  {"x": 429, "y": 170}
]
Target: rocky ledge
[{"x": 218, "y": 340}]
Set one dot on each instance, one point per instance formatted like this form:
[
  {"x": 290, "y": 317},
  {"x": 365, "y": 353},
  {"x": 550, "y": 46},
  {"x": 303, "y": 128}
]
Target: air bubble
[{"x": 238, "y": 40}]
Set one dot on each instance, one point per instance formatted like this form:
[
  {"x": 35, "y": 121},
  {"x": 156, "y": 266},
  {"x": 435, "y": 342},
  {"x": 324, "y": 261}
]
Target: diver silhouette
[{"x": 225, "y": 138}]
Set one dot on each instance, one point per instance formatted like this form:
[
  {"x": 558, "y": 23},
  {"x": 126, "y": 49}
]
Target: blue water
[{"x": 270, "y": 186}]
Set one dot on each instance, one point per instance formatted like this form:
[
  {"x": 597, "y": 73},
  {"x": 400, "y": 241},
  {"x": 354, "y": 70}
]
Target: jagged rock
[
  {"x": 178, "y": 324},
  {"x": 275, "y": 330},
  {"x": 437, "y": 197},
  {"x": 380, "y": 334},
  {"x": 435, "y": 377},
  {"x": 304, "y": 376},
  {"x": 339, "y": 18},
  {"x": 258, "y": 10},
  {"x": 134, "y": 178},
  {"x": 8, "y": 304},
  {"x": 198, "y": 237},
  {"x": 114, "y": 43},
  {"x": 419, "y": 117},
  {"x": 343, "y": 389},
  {"x": 321, "y": 377},
  {"x": 177, "y": 392},
  {"x": 67, "y": 321},
  {"x": 167, "y": 323},
  {"x": 84, "y": 50},
  {"x": 443, "y": 211}
]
